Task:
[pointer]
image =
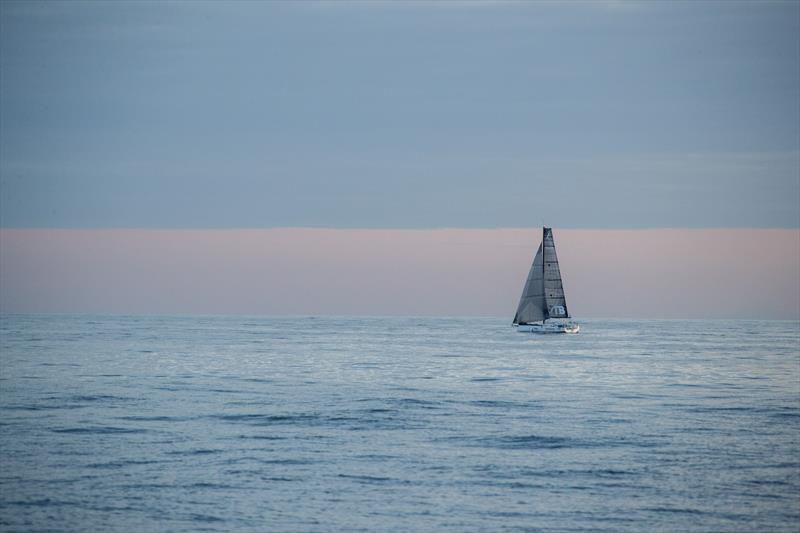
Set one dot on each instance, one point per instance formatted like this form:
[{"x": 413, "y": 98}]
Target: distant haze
[{"x": 607, "y": 273}]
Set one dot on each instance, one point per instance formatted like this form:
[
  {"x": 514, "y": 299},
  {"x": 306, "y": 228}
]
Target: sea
[{"x": 248, "y": 423}]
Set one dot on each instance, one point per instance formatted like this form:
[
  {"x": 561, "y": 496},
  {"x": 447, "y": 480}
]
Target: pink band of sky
[{"x": 659, "y": 273}]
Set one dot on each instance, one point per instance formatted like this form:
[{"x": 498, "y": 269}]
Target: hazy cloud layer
[
  {"x": 373, "y": 114},
  {"x": 620, "y": 273}
]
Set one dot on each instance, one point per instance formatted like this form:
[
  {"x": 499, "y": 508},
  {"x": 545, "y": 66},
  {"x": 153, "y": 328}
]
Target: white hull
[{"x": 555, "y": 327}]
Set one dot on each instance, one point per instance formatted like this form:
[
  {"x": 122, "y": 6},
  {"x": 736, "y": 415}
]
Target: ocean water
[{"x": 133, "y": 423}]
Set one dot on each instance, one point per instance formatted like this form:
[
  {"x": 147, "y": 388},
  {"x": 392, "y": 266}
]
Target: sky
[
  {"x": 467, "y": 114},
  {"x": 397, "y": 157},
  {"x": 665, "y": 273}
]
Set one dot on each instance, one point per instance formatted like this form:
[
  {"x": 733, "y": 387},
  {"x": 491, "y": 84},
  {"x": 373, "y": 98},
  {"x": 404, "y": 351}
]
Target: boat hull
[{"x": 568, "y": 327}]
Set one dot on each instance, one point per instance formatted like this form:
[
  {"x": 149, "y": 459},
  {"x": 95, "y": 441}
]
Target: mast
[{"x": 544, "y": 264}]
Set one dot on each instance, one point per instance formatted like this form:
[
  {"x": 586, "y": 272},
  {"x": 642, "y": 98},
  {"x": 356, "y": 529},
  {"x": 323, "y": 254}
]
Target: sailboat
[{"x": 542, "y": 307}]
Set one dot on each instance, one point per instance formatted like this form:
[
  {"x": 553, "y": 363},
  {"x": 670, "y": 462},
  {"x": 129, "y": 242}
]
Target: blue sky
[{"x": 412, "y": 115}]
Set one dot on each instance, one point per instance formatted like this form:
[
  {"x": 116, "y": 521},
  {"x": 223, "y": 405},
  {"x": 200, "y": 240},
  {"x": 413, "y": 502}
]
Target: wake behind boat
[{"x": 543, "y": 295}]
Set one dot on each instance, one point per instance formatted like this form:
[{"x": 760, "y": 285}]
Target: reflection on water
[{"x": 402, "y": 423}]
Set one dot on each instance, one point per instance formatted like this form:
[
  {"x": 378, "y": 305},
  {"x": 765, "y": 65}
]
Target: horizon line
[{"x": 398, "y": 316}]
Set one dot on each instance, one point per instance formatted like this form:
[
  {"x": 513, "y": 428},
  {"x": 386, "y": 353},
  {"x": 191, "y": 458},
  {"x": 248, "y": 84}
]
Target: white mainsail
[{"x": 543, "y": 294}]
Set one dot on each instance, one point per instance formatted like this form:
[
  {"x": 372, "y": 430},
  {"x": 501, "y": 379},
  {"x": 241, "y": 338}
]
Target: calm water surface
[{"x": 252, "y": 423}]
